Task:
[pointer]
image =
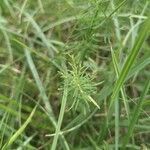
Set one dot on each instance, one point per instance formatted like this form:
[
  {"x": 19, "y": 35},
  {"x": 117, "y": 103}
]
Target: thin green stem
[{"x": 61, "y": 115}]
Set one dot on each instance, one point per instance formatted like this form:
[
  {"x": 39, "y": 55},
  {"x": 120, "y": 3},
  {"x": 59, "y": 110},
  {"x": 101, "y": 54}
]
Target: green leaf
[
  {"x": 136, "y": 114},
  {"x": 20, "y": 130},
  {"x": 130, "y": 60}
]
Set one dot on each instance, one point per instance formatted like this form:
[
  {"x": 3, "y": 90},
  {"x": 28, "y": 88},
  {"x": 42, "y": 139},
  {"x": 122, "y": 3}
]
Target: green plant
[{"x": 74, "y": 74}]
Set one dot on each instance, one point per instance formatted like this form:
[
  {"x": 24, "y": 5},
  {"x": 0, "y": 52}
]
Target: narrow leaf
[
  {"x": 20, "y": 130},
  {"x": 130, "y": 60}
]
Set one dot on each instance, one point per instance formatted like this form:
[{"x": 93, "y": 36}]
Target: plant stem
[{"x": 61, "y": 115}]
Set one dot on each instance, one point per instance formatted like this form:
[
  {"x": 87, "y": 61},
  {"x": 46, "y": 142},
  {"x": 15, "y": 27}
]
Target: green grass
[{"x": 74, "y": 74}]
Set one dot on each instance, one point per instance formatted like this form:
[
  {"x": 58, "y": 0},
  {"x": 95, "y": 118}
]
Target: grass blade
[
  {"x": 20, "y": 130},
  {"x": 116, "y": 67},
  {"x": 61, "y": 115},
  {"x": 39, "y": 85},
  {"x": 139, "y": 66},
  {"x": 123, "y": 75},
  {"x": 130, "y": 60},
  {"x": 136, "y": 114}
]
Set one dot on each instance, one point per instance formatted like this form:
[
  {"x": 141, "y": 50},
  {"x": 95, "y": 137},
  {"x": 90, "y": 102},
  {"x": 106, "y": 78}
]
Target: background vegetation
[{"x": 74, "y": 74}]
